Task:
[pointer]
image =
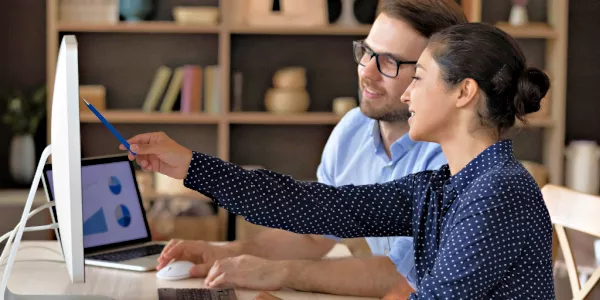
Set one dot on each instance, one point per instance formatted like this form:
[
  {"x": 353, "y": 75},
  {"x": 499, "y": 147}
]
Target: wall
[
  {"x": 583, "y": 95},
  {"x": 22, "y": 65}
]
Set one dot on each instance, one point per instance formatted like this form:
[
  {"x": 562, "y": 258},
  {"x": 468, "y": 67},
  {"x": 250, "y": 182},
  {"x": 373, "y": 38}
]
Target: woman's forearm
[{"x": 274, "y": 200}]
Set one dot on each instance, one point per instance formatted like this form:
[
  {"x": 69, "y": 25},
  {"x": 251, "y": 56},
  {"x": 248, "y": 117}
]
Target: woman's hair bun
[{"x": 531, "y": 89}]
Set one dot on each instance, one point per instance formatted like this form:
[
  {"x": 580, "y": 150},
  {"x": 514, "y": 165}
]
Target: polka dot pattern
[{"x": 483, "y": 233}]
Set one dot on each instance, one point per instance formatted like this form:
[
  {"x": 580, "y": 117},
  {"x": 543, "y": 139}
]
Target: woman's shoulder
[{"x": 506, "y": 183}]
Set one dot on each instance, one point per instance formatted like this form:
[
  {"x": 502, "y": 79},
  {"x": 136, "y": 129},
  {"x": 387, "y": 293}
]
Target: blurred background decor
[
  {"x": 289, "y": 94},
  {"x": 23, "y": 114},
  {"x": 135, "y": 10},
  {"x": 518, "y": 13},
  {"x": 286, "y": 12},
  {"x": 90, "y": 11}
]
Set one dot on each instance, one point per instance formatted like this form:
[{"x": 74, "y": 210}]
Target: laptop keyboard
[
  {"x": 196, "y": 294},
  {"x": 128, "y": 253}
]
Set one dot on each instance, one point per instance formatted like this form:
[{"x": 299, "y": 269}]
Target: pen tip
[{"x": 85, "y": 101}]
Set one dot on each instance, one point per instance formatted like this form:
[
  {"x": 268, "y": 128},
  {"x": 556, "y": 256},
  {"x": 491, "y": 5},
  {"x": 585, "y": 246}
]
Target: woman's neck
[{"x": 463, "y": 148}]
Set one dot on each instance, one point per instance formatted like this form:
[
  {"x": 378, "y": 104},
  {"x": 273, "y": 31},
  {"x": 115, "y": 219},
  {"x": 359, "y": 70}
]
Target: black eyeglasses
[{"x": 386, "y": 64}]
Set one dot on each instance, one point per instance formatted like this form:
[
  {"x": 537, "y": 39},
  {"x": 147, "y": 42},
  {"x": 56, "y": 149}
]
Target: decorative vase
[
  {"x": 22, "y": 158},
  {"x": 583, "y": 166},
  {"x": 518, "y": 15},
  {"x": 346, "y": 17},
  {"x": 135, "y": 10}
]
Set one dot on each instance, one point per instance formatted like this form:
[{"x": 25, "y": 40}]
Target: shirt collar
[
  {"x": 483, "y": 163},
  {"x": 398, "y": 147}
]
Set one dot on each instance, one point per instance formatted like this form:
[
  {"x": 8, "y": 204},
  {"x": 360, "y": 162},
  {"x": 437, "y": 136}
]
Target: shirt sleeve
[
  {"x": 485, "y": 241},
  {"x": 402, "y": 254},
  {"x": 274, "y": 200},
  {"x": 325, "y": 169}
]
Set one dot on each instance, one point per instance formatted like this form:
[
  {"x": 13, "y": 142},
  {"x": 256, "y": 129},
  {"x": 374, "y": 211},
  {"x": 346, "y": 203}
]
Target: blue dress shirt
[
  {"x": 354, "y": 154},
  {"x": 483, "y": 233}
]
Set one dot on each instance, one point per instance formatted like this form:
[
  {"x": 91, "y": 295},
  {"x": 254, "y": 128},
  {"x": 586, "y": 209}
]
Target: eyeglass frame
[{"x": 376, "y": 55}]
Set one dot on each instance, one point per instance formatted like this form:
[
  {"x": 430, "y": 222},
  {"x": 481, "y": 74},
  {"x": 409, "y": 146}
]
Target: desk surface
[{"x": 32, "y": 275}]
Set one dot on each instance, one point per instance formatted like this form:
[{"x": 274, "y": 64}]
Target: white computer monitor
[
  {"x": 65, "y": 149},
  {"x": 66, "y": 157}
]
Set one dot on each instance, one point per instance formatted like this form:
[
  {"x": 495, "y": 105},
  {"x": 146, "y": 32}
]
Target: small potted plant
[
  {"x": 518, "y": 13},
  {"x": 23, "y": 114}
]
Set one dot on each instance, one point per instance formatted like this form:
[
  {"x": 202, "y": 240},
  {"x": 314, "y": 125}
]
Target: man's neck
[{"x": 391, "y": 132}]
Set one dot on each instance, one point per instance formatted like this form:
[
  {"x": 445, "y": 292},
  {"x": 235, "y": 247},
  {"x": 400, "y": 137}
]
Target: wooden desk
[{"x": 32, "y": 276}]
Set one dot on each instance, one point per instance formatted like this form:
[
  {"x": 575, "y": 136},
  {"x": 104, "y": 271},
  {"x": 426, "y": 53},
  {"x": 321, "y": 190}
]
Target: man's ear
[{"x": 467, "y": 92}]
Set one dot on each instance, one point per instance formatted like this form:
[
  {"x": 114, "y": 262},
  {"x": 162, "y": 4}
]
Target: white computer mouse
[{"x": 175, "y": 271}]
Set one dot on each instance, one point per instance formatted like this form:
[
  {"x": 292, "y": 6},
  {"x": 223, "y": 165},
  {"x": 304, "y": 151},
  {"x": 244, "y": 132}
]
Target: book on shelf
[
  {"x": 173, "y": 91},
  {"x": 157, "y": 88},
  {"x": 191, "y": 89},
  {"x": 212, "y": 89}
]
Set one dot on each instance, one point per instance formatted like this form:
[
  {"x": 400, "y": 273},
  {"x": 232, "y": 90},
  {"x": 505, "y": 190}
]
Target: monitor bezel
[{"x": 98, "y": 161}]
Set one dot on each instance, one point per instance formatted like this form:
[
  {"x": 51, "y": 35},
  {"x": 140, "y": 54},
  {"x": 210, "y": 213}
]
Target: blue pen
[{"x": 109, "y": 126}]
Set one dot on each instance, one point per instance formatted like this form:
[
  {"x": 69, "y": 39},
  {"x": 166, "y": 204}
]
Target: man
[{"x": 369, "y": 145}]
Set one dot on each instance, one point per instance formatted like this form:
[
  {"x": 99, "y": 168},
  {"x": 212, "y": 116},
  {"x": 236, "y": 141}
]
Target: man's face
[{"x": 380, "y": 95}]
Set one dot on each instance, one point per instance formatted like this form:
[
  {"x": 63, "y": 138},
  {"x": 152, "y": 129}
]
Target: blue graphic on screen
[
  {"x": 122, "y": 215},
  {"x": 95, "y": 224},
  {"x": 114, "y": 185},
  {"x": 112, "y": 211}
]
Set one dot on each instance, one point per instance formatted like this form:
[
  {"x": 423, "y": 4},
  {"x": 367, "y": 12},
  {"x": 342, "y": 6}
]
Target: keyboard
[
  {"x": 128, "y": 254},
  {"x": 196, "y": 294}
]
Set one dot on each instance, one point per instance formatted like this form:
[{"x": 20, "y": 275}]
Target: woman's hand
[{"x": 157, "y": 152}]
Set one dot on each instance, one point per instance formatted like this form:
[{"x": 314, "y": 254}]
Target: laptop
[{"x": 115, "y": 228}]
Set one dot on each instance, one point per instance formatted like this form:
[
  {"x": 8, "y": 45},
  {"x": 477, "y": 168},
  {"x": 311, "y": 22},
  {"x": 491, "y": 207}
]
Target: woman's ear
[{"x": 467, "y": 93}]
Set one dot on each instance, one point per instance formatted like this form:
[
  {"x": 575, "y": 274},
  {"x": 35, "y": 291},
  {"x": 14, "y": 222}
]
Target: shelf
[
  {"x": 302, "y": 30},
  {"x": 313, "y": 118},
  {"x": 140, "y": 27},
  {"x": 537, "y": 122},
  {"x": 137, "y": 117},
  {"x": 531, "y": 30}
]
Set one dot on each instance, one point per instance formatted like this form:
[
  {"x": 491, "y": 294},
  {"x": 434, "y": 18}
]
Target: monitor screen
[{"x": 112, "y": 210}]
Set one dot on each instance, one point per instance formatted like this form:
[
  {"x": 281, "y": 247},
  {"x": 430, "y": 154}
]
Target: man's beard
[{"x": 386, "y": 114}]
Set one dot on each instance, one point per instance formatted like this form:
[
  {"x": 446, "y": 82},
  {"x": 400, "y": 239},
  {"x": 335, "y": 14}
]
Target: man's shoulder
[{"x": 354, "y": 120}]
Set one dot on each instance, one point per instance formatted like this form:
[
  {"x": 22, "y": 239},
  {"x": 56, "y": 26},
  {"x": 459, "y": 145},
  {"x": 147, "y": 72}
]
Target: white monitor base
[{"x": 7, "y": 294}]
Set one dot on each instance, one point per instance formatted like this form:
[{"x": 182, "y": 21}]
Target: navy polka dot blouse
[{"x": 483, "y": 233}]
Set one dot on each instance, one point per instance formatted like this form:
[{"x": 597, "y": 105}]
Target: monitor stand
[{"x": 7, "y": 294}]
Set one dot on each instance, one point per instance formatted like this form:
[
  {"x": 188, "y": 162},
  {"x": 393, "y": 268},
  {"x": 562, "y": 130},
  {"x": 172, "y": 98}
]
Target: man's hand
[
  {"x": 247, "y": 272},
  {"x": 201, "y": 253},
  {"x": 157, "y": 152}
]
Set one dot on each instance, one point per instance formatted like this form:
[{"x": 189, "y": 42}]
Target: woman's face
[{"x": 429, "y": 102}]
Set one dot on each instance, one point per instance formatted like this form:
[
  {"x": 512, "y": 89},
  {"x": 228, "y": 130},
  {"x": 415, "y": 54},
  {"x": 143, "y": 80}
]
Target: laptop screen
[{"x": 112, "y": 211}]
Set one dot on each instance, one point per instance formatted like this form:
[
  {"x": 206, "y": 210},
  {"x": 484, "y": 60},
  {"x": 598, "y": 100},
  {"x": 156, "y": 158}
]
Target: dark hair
[
  {"x": 495, "y": 61},
  {"x": 425, "y": 16}
]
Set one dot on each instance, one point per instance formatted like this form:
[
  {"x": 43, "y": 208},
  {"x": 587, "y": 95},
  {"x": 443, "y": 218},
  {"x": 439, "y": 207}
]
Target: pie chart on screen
[
  {"x": 122, "y": 215},
  {"x": 114, "y": 185}
]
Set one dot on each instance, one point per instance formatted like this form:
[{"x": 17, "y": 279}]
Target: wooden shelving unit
[
  {"x": 124, "y": 56},
  {"x": 141, "y": 27},
  {"x": 554, "y": 33},
  {"x": 296, "y": 30},
  {"x": 137, "y": 117}
]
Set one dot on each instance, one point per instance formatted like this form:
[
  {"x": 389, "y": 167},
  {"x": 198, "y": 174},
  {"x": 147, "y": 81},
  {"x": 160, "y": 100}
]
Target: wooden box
[
  {"x": 291, "y": 13},
  {"x": 95, "y": 95}
]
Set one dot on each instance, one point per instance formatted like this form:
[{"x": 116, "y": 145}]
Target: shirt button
[{"x": 448, "y": 188}]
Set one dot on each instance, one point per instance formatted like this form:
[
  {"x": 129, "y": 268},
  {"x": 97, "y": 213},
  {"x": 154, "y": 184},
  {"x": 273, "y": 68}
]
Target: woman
[{"x": 480, "y": 225}]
